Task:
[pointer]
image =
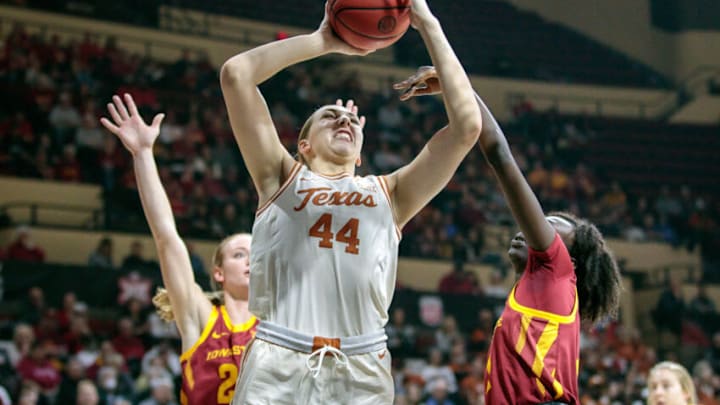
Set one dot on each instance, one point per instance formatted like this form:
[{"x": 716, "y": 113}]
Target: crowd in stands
[
  {"x": 64, "y": 354},
  {"x": 54, "y": 92}
]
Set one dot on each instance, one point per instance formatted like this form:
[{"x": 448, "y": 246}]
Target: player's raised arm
[
  {"x": 265, "y": 157},
  {"x": 190, "y": 306},
  {"x": 523, "y": 203},
  {"x": 521, "y": 199},
  {"x": 414, "y": 185}
]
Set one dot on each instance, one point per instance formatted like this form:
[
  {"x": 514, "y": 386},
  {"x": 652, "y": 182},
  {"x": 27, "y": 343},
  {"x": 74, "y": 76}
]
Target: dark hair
[{"x": 598, "y": 275}]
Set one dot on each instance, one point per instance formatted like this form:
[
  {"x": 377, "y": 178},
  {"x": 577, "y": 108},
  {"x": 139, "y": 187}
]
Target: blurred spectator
[
  {"x": 459, "y": 281},
  {"x": 401, "y": 335},
  {"x": 72, "y": 377},
  {"x": 482, "y": 332},
  {"x": 472, "y": 387},
  {"x": 112, "y": 386},
  {"x": 161, "y": 393},
  {"x": 137, "y": 312},
  {"x": 39, "y": 368},
  {"x": 66, "y": 312},
  {"x": 128, "y": 345},
  {"x": 447, "y": 335},
  {"x": 102, "y": 255},
  {"x": 78, "y": 332},
  {"x": 24, "y": 247},
  {"x": 65, "y": 119},
  {"x": 436, "y": 369},
  {"x": 68, "y": 167},
  {"x": 87, "y": 393},
  {"x": 707, "y": 383},
  {"x": 438, "y": 389},
  {"x": 135, "y": 258},
  {"x": 34, "y": 307},
  {"x": 496, "y": 287},
  {"x": 670, "y": 309},
  {"x": 164, "y": 357},
  {"x": 29, "y": 394},
  {"x": 22, "y": 341},
  {"x": 702, "y": 309}
]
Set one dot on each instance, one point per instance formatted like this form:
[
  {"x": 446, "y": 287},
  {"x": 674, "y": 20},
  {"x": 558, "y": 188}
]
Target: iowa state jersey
[
  {"x": 210, "y": 368},
  {"x": 324, "y": 255},
  {"x": 535, "y": 351}
]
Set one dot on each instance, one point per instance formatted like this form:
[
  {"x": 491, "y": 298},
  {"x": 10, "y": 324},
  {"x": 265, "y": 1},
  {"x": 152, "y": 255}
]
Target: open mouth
[{"x": 344, "y": 134}]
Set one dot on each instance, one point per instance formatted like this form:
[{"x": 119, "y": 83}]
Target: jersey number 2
[
  {"x": 228, "y": 373},
  {"x": 347, "y": 234}
]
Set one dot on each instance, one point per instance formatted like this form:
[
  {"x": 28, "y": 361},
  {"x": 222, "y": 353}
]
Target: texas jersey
[
  {"x": 210, "y": 367},
  {"x": 534, "y": 353},
  {"x": 324, "y": 255}
]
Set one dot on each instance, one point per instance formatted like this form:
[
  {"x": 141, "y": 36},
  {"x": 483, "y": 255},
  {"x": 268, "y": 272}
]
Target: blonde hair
[
  {"x": 682, "y": 375},
  {"x": 161, "y": 300}
]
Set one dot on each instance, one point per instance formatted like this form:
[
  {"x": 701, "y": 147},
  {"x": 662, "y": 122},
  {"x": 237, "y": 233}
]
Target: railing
[{"x": 56, "y": 215}]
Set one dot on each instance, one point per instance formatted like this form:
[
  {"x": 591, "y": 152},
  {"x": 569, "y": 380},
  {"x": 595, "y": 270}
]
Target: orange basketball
[{"x": 369, "y": 24}]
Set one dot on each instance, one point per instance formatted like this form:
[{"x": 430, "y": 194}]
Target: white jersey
[{"x": 324, "y": 255}]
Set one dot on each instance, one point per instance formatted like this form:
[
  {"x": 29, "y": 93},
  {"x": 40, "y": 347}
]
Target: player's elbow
[
  {"x": 233, "y": 71},
  {"x": 468, "y": 132}
]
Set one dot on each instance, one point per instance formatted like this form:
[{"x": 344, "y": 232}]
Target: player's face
[
  {"x": 236, "y": 264},
  {"x": 336, "y": 134},
  {"x": 664, "y": 389},
  {"x": 518, "y": 252}
]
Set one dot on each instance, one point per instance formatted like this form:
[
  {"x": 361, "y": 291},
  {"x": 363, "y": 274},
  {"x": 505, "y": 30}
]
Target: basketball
[{"x": 369, "y": 24}]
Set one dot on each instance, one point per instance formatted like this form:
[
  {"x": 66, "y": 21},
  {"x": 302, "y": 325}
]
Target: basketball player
[
  {"x": 670, "y": 383},
  {"x": 215, "y": 328},
  {"x": 566, "y": 273},
  {"x": 325, "y": 241}
]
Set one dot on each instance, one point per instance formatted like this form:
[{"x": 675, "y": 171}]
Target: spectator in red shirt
[
  {"x": 127, "y": 344},
  {"x": 38, "y": 368},
  {"x": 459, "y": 281},
  {"x": 24, "y": 248},
  {"x": 68, "y": 168}
]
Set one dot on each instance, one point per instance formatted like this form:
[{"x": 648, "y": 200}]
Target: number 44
[{"x": 347, "y": 234}]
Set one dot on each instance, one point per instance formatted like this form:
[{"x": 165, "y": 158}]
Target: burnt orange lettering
[{"x": 320, "y": 196}]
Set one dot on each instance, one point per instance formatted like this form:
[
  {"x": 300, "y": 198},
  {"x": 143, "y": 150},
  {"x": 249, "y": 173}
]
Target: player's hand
[
  {"x": 128, "y": 125},
  {"x": 332, "y": 42},
  {"x": 424, "y": 82},
  {"x": 350, "y": 105}
]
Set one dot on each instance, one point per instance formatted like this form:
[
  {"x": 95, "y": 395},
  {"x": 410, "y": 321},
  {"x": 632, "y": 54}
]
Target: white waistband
[{"x": 351, "y": 345}]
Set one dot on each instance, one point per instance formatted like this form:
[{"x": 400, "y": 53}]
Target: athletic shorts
[{"x": 275, "y": 375}]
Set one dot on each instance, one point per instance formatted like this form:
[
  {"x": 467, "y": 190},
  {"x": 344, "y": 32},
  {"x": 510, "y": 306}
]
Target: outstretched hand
[
  {"x": 128, "y": 125},
  {"x": 333, "y": 42},
  {"x": 350, "y": 105},
  {"x": 424, "y": 82}
]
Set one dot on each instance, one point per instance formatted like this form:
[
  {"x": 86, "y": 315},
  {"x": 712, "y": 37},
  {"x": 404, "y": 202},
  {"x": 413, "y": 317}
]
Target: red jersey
[
  {"x": 210, "y": 368},
  {"x": 535, "y": 350}
]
